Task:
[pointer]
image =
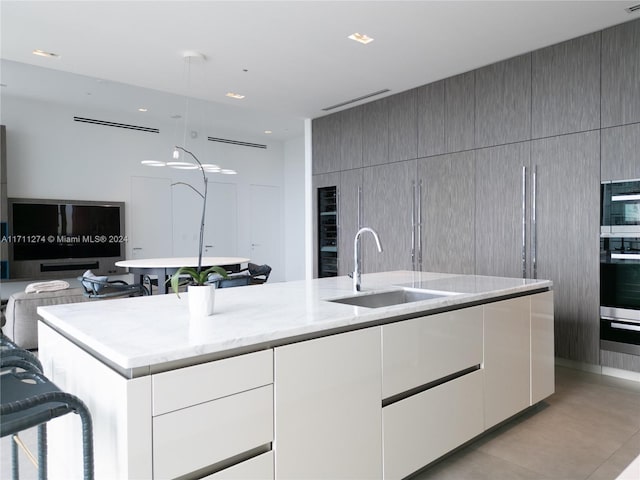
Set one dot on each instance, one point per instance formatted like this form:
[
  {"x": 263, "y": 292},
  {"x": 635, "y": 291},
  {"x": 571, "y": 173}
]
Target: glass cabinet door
[{"x": 327, "y": 232}]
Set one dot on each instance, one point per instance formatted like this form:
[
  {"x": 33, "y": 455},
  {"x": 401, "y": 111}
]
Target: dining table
[{"x": 163, "y": 268}]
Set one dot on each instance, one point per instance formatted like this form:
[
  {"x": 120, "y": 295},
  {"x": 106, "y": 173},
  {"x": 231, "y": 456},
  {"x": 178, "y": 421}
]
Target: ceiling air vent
[
  {"x": 114, "y": 124},
  {"x": 353, "y": 100},
  {"x": 633, "y": 8},
  {"x": 236, "y": 142}
]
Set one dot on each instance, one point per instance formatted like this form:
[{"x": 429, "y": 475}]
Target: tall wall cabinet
[{"x": 495, "y": 172}]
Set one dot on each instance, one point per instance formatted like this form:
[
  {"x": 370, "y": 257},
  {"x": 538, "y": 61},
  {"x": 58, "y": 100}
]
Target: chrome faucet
[{"x": 356, "y": 255}]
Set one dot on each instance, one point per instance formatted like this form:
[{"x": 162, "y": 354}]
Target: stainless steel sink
[{"x": 391, "y": 297}]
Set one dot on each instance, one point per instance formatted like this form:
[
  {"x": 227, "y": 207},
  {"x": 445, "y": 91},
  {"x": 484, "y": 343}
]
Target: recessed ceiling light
[
  {"x": 42, "y": 53},
  {"x": 268, "y": 132},
  {"x": 142, "y": 109},
  {"x": 360, "y": 37},
  {"x": 235, "y": 95}
]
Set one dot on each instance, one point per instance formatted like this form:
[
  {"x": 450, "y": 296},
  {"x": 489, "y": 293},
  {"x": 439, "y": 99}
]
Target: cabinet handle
[
  {"x": 359, "y": 213},
  {"x": 625, "y": 256},
  {"x": 524, "y": 221},
  {"x": 420, "y": 225},
  {"x": 413, "y": 225},
  {"x": 534, "y": 230}
]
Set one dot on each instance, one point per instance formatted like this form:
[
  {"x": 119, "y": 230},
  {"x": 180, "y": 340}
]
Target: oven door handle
[
  {"x": 625, "y": 256},
  {"x": 625, "y": 326},
  {"x": 625, "y": 198}
]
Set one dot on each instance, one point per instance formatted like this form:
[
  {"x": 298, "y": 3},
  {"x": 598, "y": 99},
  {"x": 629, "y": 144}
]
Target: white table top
[
  {"x": 177, "y": 262},
  {"x": 142, "y": 335}
]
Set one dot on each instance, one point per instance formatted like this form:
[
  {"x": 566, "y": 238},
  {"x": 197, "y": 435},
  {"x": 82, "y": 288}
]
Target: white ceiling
[{"x": 296, "y": 53}]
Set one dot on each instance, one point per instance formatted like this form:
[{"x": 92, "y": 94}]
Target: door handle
[
  {"x": 534, "y": 229},
  {"x": 524, "y": 221}
]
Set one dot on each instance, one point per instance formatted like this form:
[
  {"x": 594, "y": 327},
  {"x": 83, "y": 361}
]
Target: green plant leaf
[{"x": 198, "y": 278}]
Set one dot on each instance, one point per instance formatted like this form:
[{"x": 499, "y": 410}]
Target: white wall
[
  {"x": 51, "y": 156},
  {"x": 294, "y": 208}
]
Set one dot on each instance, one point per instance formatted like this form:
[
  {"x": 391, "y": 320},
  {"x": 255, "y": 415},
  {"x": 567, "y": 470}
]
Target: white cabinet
[
  {"x": 542, "y": 348},
  {"x": 422, "y": 350},
  {"x": 327, "y": 407},
  {"x": 206, "y": 414},
  {"x": 506, "y": 359},
  {"x": 256, "y": 468},
  {"x": 203, "y": 435},
  {"x": 423, "y": 427}
]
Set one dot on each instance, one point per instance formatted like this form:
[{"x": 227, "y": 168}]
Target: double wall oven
[{"x": 620, "y": 267}]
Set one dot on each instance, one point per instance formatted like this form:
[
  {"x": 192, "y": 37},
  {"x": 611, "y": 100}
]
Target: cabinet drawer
[
  {"x": 257, "y": 468},
  {"x": 422, "y": 428},
  {"x": 200, "y": 383},
  {"x": 419, "y": 351},
  {"x": 199, "y": 436}
]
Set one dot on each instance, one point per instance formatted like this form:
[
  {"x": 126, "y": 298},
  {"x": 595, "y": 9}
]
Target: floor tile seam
[
  {"x": 613, "y": 454},
  {"x": 541, "y": 476}
]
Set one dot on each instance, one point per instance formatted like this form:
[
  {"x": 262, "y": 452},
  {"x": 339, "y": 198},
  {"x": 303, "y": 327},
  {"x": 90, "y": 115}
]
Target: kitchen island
[{"x": 283, "y": 381}]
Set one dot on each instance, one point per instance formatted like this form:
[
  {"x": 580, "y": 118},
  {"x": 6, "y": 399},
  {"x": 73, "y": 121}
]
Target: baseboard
[
  {"x": 575, "y": 365},
  {"x": 619, "y": 373},
  {"x": 598, "y": 369}
]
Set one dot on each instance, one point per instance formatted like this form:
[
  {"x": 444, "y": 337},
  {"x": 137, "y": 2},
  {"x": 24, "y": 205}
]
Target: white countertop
[{"x": 142, "y": 335}]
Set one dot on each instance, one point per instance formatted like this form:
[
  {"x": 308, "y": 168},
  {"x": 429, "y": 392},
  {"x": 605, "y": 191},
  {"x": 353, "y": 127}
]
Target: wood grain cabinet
[
  {"x": 326, "y": 144},
  {"x": 620, "y": 147},
  {"x": 566, "y": 237},
  {"x": 327, "y": 404},
  {"x": 446, "y": 186},
  {"x": 620, "y": 66},
  {"x": 503, "y": 102},
  {"x": 349, "y": 217},
  {"x": 389, "y": 195},
  {"x": 502, "y": 200},
  {"x": 375, "y": 133},
  {"x": 459, "y": 112},
  {"x": 403, "y": 127},
  {"x": 566, "y": 87},
  {"x": 430, "y": 112},
  {"x": 350, "y": 122}
]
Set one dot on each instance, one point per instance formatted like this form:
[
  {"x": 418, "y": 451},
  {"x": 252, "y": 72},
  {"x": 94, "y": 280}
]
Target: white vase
[{"x": 201, "y": 300}]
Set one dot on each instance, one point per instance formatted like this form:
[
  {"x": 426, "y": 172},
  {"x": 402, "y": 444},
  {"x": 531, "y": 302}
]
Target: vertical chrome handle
[
  {"x": 413, "y": 225},
  {"x": 359, "y": 213},
  {"x": 420, "y": 225},
  {"x": 524, "y": 221},
  {"x": 534, "y": 232}
]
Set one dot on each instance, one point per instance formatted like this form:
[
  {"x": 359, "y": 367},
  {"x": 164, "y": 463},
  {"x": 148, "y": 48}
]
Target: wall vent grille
[
  {"x": 114, "y": 124},
  {"x": 633, "y": 8},
  {"x": 353, "y": 100},
  {"x": 236, "y": 142}
]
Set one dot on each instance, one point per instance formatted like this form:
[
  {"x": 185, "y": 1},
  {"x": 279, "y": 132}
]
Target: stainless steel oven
[
  {"x": 620, "y": 212},
  {"x": 620, "y": 293}
]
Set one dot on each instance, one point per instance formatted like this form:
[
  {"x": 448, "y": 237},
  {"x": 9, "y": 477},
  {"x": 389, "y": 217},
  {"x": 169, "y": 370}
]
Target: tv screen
[{"x": 55, "y": 229}]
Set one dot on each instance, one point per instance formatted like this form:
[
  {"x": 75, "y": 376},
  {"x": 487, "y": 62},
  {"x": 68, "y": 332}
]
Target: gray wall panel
[
  {"x": 620, "y": 74},
  {"x": 350, "y": 138},
  {"x": 499, "y": 210},
  {"x": 459, "y": 115},
  {"x": 448, "y": 212},
  {"x": 566, "y": 87},
  {"x": 568, "y": 243},
  {"x": 620, "y": 360},
  {"x": 375, "y": 140},
  {"x": 403, "y": 128},
  {"x": 350, "y": 181},
  {"x": 326, "y": 144},
  {"x": 430, "y": 100},
  {"x": 503, "y": 102},
  {"x": 388, "y": 195},
  {"x": 621, "y": 152}
]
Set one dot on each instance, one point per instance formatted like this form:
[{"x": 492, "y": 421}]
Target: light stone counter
[{"x": 143, "y": 335}]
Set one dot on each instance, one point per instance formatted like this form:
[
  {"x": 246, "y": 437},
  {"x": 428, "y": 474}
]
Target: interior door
[
  {"x": 151, "y": 219},
  {"x": 266, "y": 229},
  {"x": 221, "y": 225}
]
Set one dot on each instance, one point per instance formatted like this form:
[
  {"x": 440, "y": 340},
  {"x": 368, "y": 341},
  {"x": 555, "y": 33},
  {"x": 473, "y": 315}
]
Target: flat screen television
[{"x": 53, "y": 238}]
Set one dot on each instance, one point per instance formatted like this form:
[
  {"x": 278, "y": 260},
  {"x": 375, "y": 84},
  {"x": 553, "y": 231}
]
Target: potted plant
[{"x": 201, "y": 293}]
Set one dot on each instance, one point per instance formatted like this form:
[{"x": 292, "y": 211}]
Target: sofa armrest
[{"x": 22, "y": 315}]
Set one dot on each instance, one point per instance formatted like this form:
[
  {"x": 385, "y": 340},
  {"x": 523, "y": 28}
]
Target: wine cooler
[{"x": 327, "y": 232}]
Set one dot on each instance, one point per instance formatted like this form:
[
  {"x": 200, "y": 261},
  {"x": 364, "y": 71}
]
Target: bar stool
[{"x": 28, "y": 399}]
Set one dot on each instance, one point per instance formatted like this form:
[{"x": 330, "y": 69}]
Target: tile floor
[{"x": 589, "y": 429}]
